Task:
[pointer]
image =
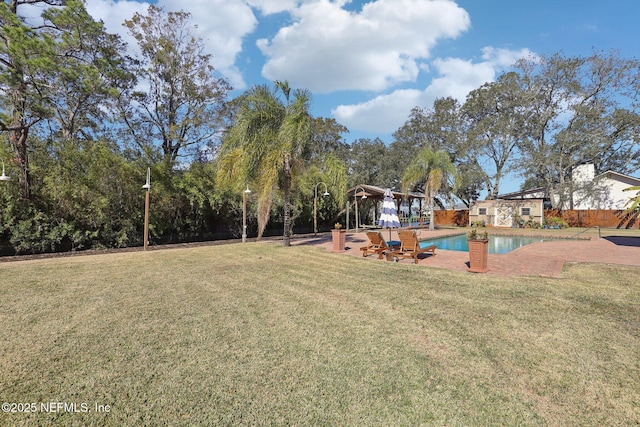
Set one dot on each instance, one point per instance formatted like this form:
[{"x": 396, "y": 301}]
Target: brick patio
[{"x": 538, "y": 259}]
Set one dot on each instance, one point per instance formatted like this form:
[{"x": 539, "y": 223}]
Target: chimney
[{"x": 584, "y": 173}]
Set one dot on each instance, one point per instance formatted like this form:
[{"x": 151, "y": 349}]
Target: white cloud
[
  {"x": 383, "y": 114},
  {"x": 502, "y": 57},
  {"x": 328, "y": 48},
  {"x": 222, "y": 25},
  {"x": 268, "y": 7},
  {"x": 113, "y": 14},
  {"x": 456, "y": 78}
]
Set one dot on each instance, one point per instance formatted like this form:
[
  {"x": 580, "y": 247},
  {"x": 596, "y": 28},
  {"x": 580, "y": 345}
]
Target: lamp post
[
  {"x": 245, "y": 193},
  {"x": 315, "y": 206},
  {"x": 4, "y": 177},
  {"x": 147, "y": 187},
  {"x": 355, "y": 200}
]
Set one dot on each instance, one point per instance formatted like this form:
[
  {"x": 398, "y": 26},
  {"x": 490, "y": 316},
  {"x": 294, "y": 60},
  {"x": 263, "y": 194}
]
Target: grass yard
[{"x": 258, "y": 334}]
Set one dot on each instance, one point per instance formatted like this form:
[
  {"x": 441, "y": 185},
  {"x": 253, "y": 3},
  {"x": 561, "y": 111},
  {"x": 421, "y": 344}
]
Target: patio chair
[
  {"x": 410, "y": 246},
  {"x": 377, "y": 244}
]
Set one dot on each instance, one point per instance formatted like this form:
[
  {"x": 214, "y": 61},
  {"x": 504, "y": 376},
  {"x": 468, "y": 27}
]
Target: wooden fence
[
  {"x": 450, "y": 217},
  {"x": 589, "y": 218}
]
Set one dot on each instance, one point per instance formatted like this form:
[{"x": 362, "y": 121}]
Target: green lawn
[{"x": 258, "y": 334}]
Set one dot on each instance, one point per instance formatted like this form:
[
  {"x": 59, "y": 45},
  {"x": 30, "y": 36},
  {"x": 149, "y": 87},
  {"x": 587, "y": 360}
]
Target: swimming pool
[{"x": 497, "y": 244}]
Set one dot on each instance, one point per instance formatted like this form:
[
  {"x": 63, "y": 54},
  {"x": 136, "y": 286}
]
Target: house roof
[
  {"x": 628, "y": 179},
  {"x": 512, "y": 200},
  {"x": 522, "y": 194},
  {"x": 631, "y": 180}
]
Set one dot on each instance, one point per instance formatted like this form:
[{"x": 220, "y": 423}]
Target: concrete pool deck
[{"x": 544, "y": 259}]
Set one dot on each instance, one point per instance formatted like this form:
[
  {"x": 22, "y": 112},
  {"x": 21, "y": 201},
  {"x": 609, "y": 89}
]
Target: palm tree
[
  {"x": 634, "y": 201},
  {"x": 267, "y": 145},
  {"x": 432, "y": 168},
  {"x": 631, "y": 214}
]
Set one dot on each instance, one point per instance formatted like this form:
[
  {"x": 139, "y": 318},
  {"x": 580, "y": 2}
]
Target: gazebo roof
[{"x": 373, "y": 192}]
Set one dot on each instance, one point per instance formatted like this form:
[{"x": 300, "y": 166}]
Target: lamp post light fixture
[
  {"x": 245, "y": 193},
  {"x": 4, "y": 177},
  {"x": 315, "y": 206},
  {"x": 147, "y": 187},
  {"x": 355, "y": 199}
]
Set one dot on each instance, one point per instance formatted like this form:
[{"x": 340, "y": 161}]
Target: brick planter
[
  {"x": 478, "y": 255},
  {"x": 339, "y": 238}
]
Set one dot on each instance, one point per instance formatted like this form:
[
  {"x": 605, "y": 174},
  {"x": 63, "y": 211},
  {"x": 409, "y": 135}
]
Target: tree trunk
[
  {"x": 433, "y": 215},
  {"x": 495, "y": 189},
  {"x": 287, "y": 204},
  {"x": 18, "y": 138},
  {"x": 18, "y": 133}
]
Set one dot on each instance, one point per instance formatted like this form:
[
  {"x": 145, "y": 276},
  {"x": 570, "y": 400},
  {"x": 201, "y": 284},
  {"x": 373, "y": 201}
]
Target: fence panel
[
  {"x": 451, "y": 217},
  {"x": 575, "y": 218},
  {"x": 591, "y": 218}
]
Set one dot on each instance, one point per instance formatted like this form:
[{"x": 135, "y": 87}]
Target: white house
[
  {"x": 589, "y": 191},
  {"x": 604, "y": 191}
]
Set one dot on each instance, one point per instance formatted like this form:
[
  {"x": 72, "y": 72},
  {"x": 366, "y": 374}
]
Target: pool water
[{"x": 497, "y": 244}]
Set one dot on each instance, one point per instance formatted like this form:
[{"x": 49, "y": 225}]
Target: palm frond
[
  {"x": 268, "y": 138},
  {"x": 336, "y": 177},
  {"x": 428, "y": 166},
  {"x": 232, "y": 171},
  {"x": 633, "y": 201}
]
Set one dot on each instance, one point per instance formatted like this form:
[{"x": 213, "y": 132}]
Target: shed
[{"x": 507, "y": 213}]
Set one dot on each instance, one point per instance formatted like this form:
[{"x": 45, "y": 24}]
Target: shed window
[
  {"x": 526, "y": 211},
  {"x": 482, "y": 211}
]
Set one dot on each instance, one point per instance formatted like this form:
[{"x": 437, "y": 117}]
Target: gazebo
[{"x": 372, "y": 192}]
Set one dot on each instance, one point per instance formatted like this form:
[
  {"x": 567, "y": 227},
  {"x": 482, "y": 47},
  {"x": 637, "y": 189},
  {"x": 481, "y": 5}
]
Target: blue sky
[{"x": 368, "y": 63}]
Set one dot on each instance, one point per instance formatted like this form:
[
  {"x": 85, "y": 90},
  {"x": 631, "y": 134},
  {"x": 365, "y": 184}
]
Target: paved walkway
[{"x": 538, "y": 259}]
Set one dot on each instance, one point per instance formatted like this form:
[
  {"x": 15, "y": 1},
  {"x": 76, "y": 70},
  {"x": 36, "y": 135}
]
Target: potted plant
[
  {"x": 478, "y": 251},
  {"x": 517, "y": 221},
  {"x": 555, "y": 222},
  {"x": 338, "y": 237}
]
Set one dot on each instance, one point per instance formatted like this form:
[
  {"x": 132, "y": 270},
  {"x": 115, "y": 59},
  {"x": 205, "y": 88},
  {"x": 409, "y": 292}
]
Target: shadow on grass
[{"x": 313, "y": 241}]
